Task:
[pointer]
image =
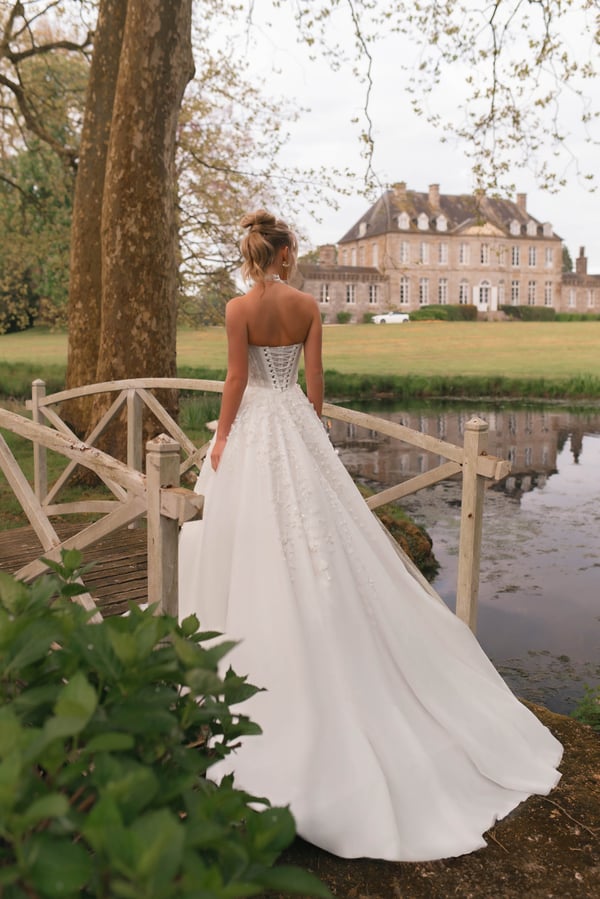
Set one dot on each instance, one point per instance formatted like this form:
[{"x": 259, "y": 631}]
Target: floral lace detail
[{"x": 273, "y": 366}]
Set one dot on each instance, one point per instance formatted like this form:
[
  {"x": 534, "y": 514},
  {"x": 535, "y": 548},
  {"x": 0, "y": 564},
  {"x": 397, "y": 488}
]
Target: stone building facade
[
  {"x": 580, "y": 291},
  {"x": 412, "y": 249}
]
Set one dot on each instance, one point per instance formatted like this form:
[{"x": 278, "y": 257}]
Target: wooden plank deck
[{"x": 120, "y": 573}]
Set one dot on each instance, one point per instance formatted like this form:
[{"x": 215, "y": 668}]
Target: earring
[{"x": 285, "y": 264}]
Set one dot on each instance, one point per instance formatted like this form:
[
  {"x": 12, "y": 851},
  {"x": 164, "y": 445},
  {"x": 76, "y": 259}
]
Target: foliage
[
  {"x": 567, "y": 262},
  {"x": 343, "y": 318},
  {"x": 207, "y": 305},
  {"x": 465, "y": 312},
  {"x": 588, "y": 708},
  {"x": 367, "y": 318},
  {"x": 577, "y": 317},
  {"x": 106, "y": 733},
  {"x": 530, "y": 313}
]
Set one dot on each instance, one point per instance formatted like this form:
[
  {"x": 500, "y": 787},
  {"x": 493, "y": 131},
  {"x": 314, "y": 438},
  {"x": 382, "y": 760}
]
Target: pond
[{"x": 539, "y": 597}]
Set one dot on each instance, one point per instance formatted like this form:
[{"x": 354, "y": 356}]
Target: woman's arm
[
  {"x": 236, "y": 379},
  {"x": 313, "y": 361}
]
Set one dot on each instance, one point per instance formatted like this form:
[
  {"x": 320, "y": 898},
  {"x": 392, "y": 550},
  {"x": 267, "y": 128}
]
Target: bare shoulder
[
  {"x": 306, "y": 298},
  {"x": 234, "y": 306}
]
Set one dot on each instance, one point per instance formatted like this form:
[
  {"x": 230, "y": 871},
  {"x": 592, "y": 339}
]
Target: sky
[{"x": 407, "y": 148}]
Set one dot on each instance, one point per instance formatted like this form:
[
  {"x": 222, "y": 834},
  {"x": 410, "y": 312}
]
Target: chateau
[{"x": 414, "y": 249}]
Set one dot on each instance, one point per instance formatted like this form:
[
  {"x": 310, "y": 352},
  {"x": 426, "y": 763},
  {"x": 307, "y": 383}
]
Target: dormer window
[
  {"x": 515, "y": 228},
  {"x": 422, "y": 222},
  {"x": 362, "y": 229},
  {"x": 441, "y": 223},
  {"x": 547, "y": 229},
  {"x": 404, "y": 221},
  {"x": 531, "y": 228}
]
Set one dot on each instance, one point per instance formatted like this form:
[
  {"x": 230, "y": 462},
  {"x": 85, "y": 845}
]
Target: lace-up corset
[{"x": 273, "y": 366}]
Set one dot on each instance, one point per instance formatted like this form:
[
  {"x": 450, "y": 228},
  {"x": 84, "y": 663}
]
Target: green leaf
[
  {"x": 294, "y": 880},
  {"x": 10, "y": 731},
  {"x": 162, "y": 836},
  {"x": 124, "y": 646},
  {"x": 112, "y": 741},
  {"x": 103, "y": 823},
  {"x": 32, "y": 644},
  {"x": 204, "y": 682},
  {"x": 57, "y": 868},
  {"x": 54, "y": 805},
  {"x": 13, "y": 593},
  {"x": 78, "y": 699}
]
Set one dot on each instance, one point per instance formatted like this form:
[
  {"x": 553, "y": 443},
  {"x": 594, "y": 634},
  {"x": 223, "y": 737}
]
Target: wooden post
[
  {"x": 40, "y": 469},
  {"x": 162, "y": 470},
  {"x": 135, "y": 409},
  {"x": 134, "y": 429},
  {"x": 469, "y": 551}
]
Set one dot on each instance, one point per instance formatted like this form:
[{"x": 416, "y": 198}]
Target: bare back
[{"x": 276, "y": 314}]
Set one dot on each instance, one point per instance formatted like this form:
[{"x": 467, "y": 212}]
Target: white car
[{"x": 391, "y": 318}]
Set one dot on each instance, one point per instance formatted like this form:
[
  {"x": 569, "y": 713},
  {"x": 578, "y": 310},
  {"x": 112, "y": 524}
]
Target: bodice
[{"x": 273, "y": 366}]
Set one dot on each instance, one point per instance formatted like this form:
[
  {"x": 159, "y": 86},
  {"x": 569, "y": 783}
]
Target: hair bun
[{"x": 258, "y": 220}]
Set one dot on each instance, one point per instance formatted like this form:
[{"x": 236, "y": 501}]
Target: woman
[{"x": 385, "y": 727}]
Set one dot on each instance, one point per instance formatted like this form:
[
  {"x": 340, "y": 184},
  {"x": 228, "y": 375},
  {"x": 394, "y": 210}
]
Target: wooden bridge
[{"x": 134, "y": 537}]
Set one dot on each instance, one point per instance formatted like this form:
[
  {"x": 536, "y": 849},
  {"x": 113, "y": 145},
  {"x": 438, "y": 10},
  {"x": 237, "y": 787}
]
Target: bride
[{"x": 385, "y": 727}]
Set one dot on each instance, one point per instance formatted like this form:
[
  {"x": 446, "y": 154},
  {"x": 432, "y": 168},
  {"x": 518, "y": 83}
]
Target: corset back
[{"x": 273, "y": 366}]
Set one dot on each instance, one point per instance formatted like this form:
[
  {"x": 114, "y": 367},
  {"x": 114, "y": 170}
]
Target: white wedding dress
[{"x": 385, "y": 727}]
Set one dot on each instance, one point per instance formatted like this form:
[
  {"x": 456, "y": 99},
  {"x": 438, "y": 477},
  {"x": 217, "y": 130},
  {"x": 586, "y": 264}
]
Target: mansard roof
[{"x": 463, "y": 213}]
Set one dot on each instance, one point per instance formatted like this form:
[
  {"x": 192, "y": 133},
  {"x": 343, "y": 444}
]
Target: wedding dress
[{"x": 385, "y": 727}]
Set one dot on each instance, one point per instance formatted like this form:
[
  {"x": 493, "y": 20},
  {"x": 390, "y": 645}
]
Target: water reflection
[{"x": 539, "y": 613}]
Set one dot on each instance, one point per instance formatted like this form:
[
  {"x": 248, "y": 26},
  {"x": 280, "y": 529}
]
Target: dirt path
[{"x": 548, "y": 848}]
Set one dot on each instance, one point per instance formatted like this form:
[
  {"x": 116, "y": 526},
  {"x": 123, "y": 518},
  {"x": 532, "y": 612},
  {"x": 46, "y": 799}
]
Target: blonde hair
[{"x": 266, "y": 236}]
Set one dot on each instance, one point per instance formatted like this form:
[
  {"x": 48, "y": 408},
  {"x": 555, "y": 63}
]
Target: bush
[
  {"x": 367, "y": 318},
  {"x": 577, "y": 317},
  {"x": 430, "y": 313},
  {"x": 106, "y": 732},
  {"x": 343, "y": 318},
  {"x": 588, "y": 708},
  {"x": 530, "y": 313}
]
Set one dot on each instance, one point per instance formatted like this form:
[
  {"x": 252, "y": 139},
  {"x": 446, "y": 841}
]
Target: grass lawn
[{"x": 512, "y": 349}]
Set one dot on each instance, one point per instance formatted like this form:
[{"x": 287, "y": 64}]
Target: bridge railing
[{"x": 471, "y": 461}]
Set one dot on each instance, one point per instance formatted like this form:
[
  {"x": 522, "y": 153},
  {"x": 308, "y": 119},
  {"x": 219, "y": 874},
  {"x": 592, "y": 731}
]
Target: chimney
[
  {"x": 434, "y": 196},
  {"x": 522, "y": 203},
  {"x": 400, "y": 191},
  {"x": 327, "y": 254},
  {"x": 581, "y": 262}
]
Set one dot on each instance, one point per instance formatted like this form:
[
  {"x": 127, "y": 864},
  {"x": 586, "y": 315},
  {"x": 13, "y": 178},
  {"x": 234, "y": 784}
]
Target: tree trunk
[
  {"x": 139, "y": 228},
  {"x": 85, "y": 288}
]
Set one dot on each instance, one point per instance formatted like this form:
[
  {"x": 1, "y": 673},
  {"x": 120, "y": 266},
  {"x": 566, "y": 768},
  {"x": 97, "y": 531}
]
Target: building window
[
  {"x": 351, "y": 293},
  {"x": 422, "y": 222},
  {"x": 345, "y": 257},
  {"x": 515, "y": 255},
  {"x": 441, "y": 223},
  {"x": 443, "y": 291},
  {"x": 353, "y": 256},
  {"x": 501, "y": 297},
  {"x": 463, "y": 292},
  {"x": 361, "y": 256},
  {"x": 531, "y": 293},
  {"x": 373, "y": 293},
  {"x": 375, "y": 255},
  {"x": 423, "y": 252},
  {"x": 590, "y": 296},
  {"x": 515, "y": 293},
  {"x": 484, "y": 254},
  {"x": 362, "y": 229},
  {"x": 531, "y": 228},
  {"x": 515, "y": 228},
  {"x": 548, "y": 293},
  {"x": 423, "y": 291},
  {"x": 443, "y": 253},
  {"x": 404, "y": 290},
  {"x": 502, "y": 256},
  {"x": 532, "y": 256},
  {"x": 324, "y": 293},
  {"x": 571, "y": 296},
  {"x": 404, "y": 221},
  {"x": 404, "y": 251},
  {"x": 463, "y": 254},
  {"x": 484, "y": 293},
  {"x": 549, "y": 257}
]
